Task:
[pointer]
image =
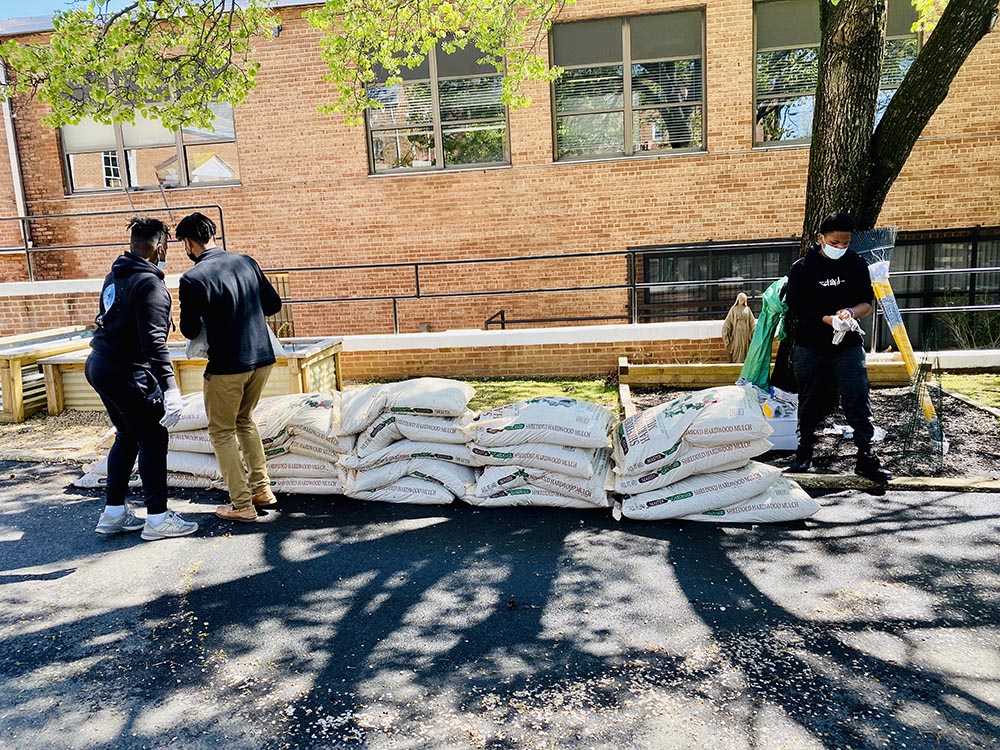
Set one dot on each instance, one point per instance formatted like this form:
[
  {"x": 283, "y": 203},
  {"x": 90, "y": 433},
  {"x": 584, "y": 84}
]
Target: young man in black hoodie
[
  {"x": 228, "y": 295},
  {"x": 130, "y": 369},
  {"x": 827, "y": 291}
]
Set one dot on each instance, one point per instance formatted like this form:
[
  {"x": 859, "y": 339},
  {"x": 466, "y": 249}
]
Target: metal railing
[{"x": 28, "y": 249}]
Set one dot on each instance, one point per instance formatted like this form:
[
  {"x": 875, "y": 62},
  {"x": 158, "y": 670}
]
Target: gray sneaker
[
  {"x": 127, "y": 521},
  {"x": 171, "y": 526}
]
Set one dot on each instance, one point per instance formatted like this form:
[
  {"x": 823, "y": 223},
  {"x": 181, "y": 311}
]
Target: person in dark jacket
[
  {"x": 226, "y": 296},
  {"x": 129, "y": 367},
  {"x": 827, "y": 291}
]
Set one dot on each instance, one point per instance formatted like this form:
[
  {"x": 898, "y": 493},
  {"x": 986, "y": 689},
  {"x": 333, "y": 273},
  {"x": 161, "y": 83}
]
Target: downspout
[{"x": 15, "y": 164}]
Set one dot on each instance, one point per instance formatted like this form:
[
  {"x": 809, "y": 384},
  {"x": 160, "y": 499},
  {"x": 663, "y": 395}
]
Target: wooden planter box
[
  {"x": 311, "y": 364},
  {"x": 22, "y": 387}
]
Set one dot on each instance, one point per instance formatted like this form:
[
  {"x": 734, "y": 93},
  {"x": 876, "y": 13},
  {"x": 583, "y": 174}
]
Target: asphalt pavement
[{"x": 332, "y": 623}]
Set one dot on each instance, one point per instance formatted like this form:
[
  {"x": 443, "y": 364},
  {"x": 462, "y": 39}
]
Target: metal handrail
[{"x": 29, "y": 249}]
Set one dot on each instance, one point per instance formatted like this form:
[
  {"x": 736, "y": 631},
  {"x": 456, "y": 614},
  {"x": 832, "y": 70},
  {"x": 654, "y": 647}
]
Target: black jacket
[
  {"x": 229, "y": 292},
  {"x": 134, "y": 319},
  {"x": 819, "y": 286}
]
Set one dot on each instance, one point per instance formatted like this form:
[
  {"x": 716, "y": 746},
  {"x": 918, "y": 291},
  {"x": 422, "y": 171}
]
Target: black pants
[
  {"x": 820, "y": 373},
  {"x": 135, "y": 404}
]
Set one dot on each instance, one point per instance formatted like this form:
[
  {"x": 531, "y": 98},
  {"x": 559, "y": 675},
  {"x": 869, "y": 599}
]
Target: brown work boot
[
  {"x": 232, "y": 513},
  {"x": 265, "y": 498}
]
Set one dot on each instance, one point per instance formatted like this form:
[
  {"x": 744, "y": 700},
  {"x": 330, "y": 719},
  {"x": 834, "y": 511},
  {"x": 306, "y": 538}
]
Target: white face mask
[
  {"x": 161, "y": 264},
  {"x": 834, "y": 253}
]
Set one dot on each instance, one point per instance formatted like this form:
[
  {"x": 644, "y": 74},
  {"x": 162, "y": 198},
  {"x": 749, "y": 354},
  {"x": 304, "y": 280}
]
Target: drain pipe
[{"x": 15, "y": 165}]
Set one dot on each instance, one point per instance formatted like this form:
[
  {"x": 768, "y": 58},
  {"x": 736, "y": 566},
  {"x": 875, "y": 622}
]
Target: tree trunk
[
  {"x": 963, "y": 24},
  {"x": 852, "y": 43}
]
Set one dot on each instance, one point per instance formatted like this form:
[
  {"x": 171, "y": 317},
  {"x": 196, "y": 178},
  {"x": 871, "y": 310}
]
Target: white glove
[
  {"x": 173, "y": 404},
  {"x": 842, "y": 327}
]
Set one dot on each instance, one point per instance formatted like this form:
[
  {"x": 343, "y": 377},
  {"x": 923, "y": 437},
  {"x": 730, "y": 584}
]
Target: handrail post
[
  {"x": 395, "y": 316},
  {"x": 416, "y": 278},
  {"x": 27, "y": 250},
  {"x": 633, "y": 299},
  {"x": 503, "y": 320}
]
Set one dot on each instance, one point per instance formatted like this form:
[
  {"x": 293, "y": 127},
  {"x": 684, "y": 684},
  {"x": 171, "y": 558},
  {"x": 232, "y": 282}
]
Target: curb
[{"x": 853, "y": 482}]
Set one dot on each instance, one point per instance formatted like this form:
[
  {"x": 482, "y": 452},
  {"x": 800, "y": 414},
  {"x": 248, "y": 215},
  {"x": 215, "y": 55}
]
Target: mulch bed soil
[{"x": 973, "y": 436}]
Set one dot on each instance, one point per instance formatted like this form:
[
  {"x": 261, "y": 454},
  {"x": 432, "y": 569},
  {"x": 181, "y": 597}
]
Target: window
[
  {"x": 446, "y": 113},
  {"x": 699, "y": 282},
  {"x": 786, "y": 63},
  {"x": 152, "y": 154},
  {"x": 112, "y": 173},
  {"x": 640, "y": 76}
]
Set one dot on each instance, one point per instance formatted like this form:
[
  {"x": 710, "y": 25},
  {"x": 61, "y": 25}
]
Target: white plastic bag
[
  {"x": 294, "y": 465},
  {"x": 549, "y": 419},
  {"x": 193, "y": 416},
  {"x": 701, "y": 492},
  {"x": 318, "y": 418},
  {"x": 199, "y": 464},
  {"x": 594, "y": 490},
  {"x": 434, "y": 429},
  {"x": 308, "y": 485},
  {"x": 272, "y": 415},
  {"x": 530, "y": 496},
  {"x": 378, "y": 435},
  {"x": 736, "y": 416},
  {"x": 577, "y": 462},
  {"x": 782, "y": 501},
  {"x": 360, "y": 407},
  {"x": 689, "y": 460},
  {"x": 410, "y": 490},
  {"x": 439, "y": 397},
  {"x": 195, "y": 441},
  {"x": 404, "y": 450}
]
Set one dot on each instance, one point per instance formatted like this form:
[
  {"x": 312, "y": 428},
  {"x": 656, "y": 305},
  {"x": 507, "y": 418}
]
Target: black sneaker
[
  {"x": 802, "y": 461},
  {"x": 870, "y": 467}
]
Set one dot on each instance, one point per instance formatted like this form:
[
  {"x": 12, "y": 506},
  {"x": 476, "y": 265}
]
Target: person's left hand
[{"x": 845, "y": 314}]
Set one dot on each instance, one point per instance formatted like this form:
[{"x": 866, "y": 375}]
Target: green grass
[
  {"x": 490, "y": 393},
  {"x": 984, "y": 388},
  {"x": 498, "y": 391}
]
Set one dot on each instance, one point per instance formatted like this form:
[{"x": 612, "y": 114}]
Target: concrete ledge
[
  {"x": 853, "y": 482},
  {"x": 73, "y": 286},
  {"x": 476, "y": 338}
]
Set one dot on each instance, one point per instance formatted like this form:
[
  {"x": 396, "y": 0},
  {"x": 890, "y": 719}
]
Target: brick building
[{"x": 698, "y": 158}]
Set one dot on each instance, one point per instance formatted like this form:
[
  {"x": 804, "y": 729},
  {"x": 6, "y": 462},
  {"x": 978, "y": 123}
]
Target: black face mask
[{"x": 194, "y": 258}]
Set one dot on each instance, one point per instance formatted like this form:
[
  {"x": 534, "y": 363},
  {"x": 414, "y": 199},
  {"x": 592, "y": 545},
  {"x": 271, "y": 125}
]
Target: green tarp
[{"x": 757, "y": 365}]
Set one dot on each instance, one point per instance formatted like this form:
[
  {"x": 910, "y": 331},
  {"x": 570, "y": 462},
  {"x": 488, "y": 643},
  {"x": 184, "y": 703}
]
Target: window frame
[
  {"x": 800, "y": 142},
  {"x": 437, "y": 127},
  {"x": 121, "y": 151},
  {"x": 628, "y": 109}
]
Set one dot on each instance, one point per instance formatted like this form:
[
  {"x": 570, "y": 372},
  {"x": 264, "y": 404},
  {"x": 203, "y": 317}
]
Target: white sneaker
[
  {"x": 127, "y": 521},
  {"x": 171, "y": 526}
]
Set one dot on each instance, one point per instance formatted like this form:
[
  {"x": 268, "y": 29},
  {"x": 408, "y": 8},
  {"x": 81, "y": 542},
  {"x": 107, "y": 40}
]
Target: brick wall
[
  {"x": 541, "y": 360},
  {"x": 306, "y": 197}
]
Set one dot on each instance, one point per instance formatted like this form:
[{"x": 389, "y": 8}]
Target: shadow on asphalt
[{"x": 509, "y": 613}]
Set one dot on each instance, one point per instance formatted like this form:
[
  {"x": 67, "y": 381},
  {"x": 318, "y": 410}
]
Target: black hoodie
[
  {"x": 819, "y": 286},
  {"x": 132, "y": 329}
]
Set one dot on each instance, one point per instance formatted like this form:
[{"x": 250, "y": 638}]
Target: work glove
[
  {"x": 173, "y": 404},
  {"x": 842, "y": 327}
]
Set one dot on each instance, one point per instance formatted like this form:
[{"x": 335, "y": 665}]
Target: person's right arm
[{"x": 190, "y": 297}]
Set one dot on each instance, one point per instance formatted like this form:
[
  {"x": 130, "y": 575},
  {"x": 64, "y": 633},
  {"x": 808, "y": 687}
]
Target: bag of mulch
[
  {"x": 199, "y": 464},
  {"x": 410, "y": 490},
  {"x": 735, "y": 417},
  {"x": 782, "y": 501},
  {"x": 437, "y": 397},
  {"x": 404, "y": 450},
  {"x": 293, "y": 465},
  {"x": 308, "y": 485},
  {"x": 272, "y": 415},
  {"x": 380, "y": 434},
  {"x": 360, "y": 407},
  {"x": 594, "y": 490},
  {"x": 318, "y": 418},
  {"x": 434, "y": 429},
  {"x": 193, "y": 416},
  {"x": 642, "y": 442},
  {"x": 701, "y": 492},
  {"x": 530, "y": 496},
  {"x": 577, "y": 462},
  {"x": 194, "y": 441},
  {"x": 549, "y": 419},
  {"x": 688, "y": 460},
  {"x": 457, "y": 478},
  {"x": 323, "y": 450}
]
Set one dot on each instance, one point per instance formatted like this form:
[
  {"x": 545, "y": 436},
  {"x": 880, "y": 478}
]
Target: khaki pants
[{"x": 229, "y": 404}]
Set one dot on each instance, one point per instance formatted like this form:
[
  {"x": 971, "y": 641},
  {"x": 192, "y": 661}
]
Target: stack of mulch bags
[
  {"x": 691, "y": 459},
  {"x": 298, "y": 461},
  {"x": 545, "y": 451},
  {"x": 409, "y": 442}
]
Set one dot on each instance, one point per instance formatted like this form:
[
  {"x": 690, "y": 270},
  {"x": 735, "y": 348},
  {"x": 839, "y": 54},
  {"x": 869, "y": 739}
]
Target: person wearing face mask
[
  {"x": 828, "y": 290},
  {"x": 129, "y": 367},
  {"x": 228, "y": 296}
]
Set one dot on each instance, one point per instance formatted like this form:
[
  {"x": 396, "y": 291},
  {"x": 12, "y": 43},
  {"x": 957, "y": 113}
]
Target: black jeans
[
  {"x": 135, "y": 404},
  {"x": 820, "y": 373}
]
